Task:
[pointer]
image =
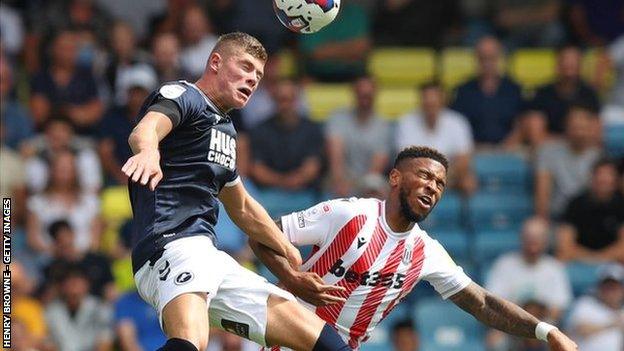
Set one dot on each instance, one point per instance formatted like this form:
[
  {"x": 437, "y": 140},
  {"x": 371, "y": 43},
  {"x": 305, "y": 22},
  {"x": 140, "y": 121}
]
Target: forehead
[
  {"x": 241, "y": 55},
  {"x": 425, "y": 163}
]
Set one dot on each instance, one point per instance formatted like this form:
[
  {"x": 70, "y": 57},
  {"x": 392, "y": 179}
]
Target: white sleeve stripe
[{"x": 233, "y": 182}]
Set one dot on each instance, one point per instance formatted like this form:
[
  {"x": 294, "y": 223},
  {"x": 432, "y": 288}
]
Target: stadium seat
[
  {"x": 266, "y": 273},
  {"x": 591, "y": 64},
  {"x": 446, "y": 215},
  {"x": 499, "y": 211},
  {"x": 444, "y": 326},
  {"x": 402, "y": 66},
  {"x": 532, "y": 67},
  {"x": 394, "y": 102},
  {"x": 229, "y": 237},
  {"x": 457, "y": 65},
  {"x": 324, "y": 99},
  {"x": 502, "y": 173},
  {"x": 381, "y": 335},
  {"x": 583, "y": 276},
  {"x": 279, "y": 202},
  {"x": 473, "y": 345},
  {"x": 614, "y": 140},
  {"x": 454, "y": 241},
  {"x": 489, "y": 245},
  {"x": 115, "y": 210}
]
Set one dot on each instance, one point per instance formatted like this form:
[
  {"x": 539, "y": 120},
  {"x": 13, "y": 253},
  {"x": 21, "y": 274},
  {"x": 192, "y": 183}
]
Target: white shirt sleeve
[
  {"x": 316, "y": 225},
  {"x": 439, "y": 269},
  {"x": 463, "y": 135},
  {"x": 561, "y": 293},
  {"x": 496, "y": 281}
]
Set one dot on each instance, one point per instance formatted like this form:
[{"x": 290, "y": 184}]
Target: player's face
[
  {"x": 238, "y": 78},
  {"x": 420, "y": 183}
]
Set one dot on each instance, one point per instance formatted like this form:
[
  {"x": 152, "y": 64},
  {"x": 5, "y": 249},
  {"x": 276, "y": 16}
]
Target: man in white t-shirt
[
  {"x": 375, "y": 251},
  {"x": 441, "y": 128},
  {"x": 597, "y": 321}
]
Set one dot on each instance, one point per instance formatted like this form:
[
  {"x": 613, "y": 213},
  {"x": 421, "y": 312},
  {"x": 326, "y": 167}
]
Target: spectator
[
  {"x": 596, "y": 22},
  {"x": 530, "y": 132},
  {"x": 198, "y": 40},
  {"x": 568, "y": 89},
  {"x": 65, "y": 254},
  {"x": 338, "y": 53},
  {"x": 528, "y": 23},
  {"x": 538, "y": 310},
  {"x": 166, "y": 61},
  {"x": 16, "y": 123},
  {"x": 287, "y": 149},
  {"x": 170, "y": 18},
  {"x": 117, "y": 124},
  {"x": 12, "y": 183},
  {"x": 63, "y": 198},
  {"x": 373, "y": 185},
  {"x": 136, "y": 324},
  {"x": 490, "y": 100},
  {"x": 357, "y": 140},
  {"x": 258, "y": 19},
  {"x": 613, "y": 113},
  {"x": 78, "y": 321},
  {"x": 26, "y": 309},
  {"x": 593, "y": 222},
  {"x": 563, "y": 166},
  {"x": 65, "y": 88},
  {"x": 11, "y": 30},
  {"x": 123, "y": 57},
  {"x": 404, "y": 337},
  {"x": 537, "y": 275},
  {"x": 58, "y": 137},
  {"x": 416, "y": 23},
  {"x": 596, "y": 322},
  {"x": 443, "y": 129}
]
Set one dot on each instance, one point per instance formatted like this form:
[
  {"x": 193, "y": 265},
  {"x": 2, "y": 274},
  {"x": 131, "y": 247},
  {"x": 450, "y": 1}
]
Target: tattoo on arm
[{"x": 495, "y": 312}]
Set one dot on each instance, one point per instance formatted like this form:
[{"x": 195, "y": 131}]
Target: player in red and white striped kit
[{"x": 376, "y": 252}]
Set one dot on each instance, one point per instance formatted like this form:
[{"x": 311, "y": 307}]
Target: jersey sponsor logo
[
  {"x": 300, "y": 220},
  {"x": 183, "y": 278},
  {"x": 163, "y": 273},
  {"x": 222, "y": 149},
  {"x": 238, "y": 328},
  {"x": 367, "y": 278},
  {"x": 172, "y": 91}
]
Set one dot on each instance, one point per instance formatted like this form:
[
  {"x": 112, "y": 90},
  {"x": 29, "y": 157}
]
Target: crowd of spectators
[{"x": 74, "y": 74}]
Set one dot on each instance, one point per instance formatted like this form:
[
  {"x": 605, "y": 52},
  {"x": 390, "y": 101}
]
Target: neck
[
  {"x": 395, "y": 219},
  {"x": 529, "y": 259},
  {"x": 362, "y": 115},
  {"x": 210, "y": 90},
  {"x": 430, "y": 121}
]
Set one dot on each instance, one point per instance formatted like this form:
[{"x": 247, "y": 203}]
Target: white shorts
[{"x": 237, "y": 297}]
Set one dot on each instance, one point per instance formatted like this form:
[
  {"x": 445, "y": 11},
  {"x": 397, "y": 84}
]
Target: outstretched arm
[{"x": 506, "y": 316}]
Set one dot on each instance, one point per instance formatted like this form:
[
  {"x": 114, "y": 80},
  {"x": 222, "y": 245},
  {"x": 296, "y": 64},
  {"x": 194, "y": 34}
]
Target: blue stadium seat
[
  {"x": 444, "y": 326},
  {"x": 473, "y": 345},
  {"x": 266, "y": 273},
  {"x": 489, "y": 245},
  {"x": 280, "y": 202},
  {"x": 502, "y": 173},
  {"x": 381, "y": 335},
  {"x": 499, "y": 211},
  {"x": 229, "y": 237},
  {"x": 583, "y": 276},
  {"x": 614, "y": 140},
  {"x": 454, "y": 241},
  {"x": 446, "y": 215}
]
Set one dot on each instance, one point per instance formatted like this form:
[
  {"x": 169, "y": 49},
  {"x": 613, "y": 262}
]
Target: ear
[
  {"x": 214, "y": 61},
  {"x": 394, "y": 177}
]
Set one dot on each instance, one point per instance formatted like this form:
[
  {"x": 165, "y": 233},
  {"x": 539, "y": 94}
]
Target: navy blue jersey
[{"x": 197, "y": 158}]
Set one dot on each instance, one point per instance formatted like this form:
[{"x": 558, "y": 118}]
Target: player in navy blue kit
[{"x": 184, "y": 149}]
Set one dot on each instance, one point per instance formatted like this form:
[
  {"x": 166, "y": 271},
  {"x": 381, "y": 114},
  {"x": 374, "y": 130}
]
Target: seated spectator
[
  {"x": 613, "y": 59},
  {"x": 530, "y": 132},
  {"x": 124, "y": 56},
  {"x": 539, "y": 311},
  {"x": 136, "y": 324},
  {"x": 198, "y": 41},
  {"x": 118, "y": 122},
  {"x": 63, "y": 198},
  {"x": 596, "y": 322},
  {"x": 65, "y": 254},
  {"x": 490, "y": 101},
  {"x": 357, "y": 141},
  {"x": 373, "y": 185},
  {"x": 287, "y": 150},
  {"x": 404, "y": 336},
  {"x": 66, "y": 88},
  {"x": 26, "y": 309},
  {"x": 593, "y": 222},
  {"x": 567, "y": 90},
  {"x": 166, "y": 58},
  {"x": 564, "y": 166},
  {"x": 338, "y": 52},
  {"x": 58, "y": 136},
  {"x": 416, "y": 23},
  {"x": 596, "y": 22},
  {"x": 17, "y": 125},
  {"x": 77, "y": 320},
  {"x": 528, "y": 23},
  {"x": 443, "y": 129},
  {"x": 12, "y": 179}
]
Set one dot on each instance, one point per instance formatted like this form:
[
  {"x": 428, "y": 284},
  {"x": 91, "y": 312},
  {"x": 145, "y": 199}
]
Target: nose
[{"x": 252, "y": 80}]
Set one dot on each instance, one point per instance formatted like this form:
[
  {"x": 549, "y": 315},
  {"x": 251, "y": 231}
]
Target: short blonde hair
[{"x": 239, "y": 40}]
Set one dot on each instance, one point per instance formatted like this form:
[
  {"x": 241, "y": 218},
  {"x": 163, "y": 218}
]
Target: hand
[
  {"x": 557, "y": 341},
  {"x": 144, "y": 167},
  {"x": 311, "y": 288}
]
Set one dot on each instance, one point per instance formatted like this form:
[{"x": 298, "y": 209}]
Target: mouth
[
  {"x": 425, "y": 201},
  {"x": 245, "y": 91}
]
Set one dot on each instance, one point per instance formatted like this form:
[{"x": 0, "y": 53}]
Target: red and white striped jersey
[{"x": 354, "y": 247}]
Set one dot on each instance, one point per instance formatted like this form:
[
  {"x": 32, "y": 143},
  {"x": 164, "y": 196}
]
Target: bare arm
[
  {"x": 335, "y": 154},
  {"x": 86, "y": 114},
  {"x": 253, "y": 219},
  {"x": 350, "y": 50},
  {"x": 543, "y": 187},
  {"x": 111, "y": 167},
  {"x": 302, "y": 176},
  {"x": 264, "y": 175},
  {"x": 126, "y": 332}
]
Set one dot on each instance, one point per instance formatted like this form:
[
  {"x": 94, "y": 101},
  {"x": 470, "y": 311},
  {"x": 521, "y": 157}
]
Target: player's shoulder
[{"x": 348, "y": 207}]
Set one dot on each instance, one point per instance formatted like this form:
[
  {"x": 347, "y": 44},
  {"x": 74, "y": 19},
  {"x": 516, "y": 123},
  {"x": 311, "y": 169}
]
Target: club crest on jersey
[
  {"x": 407, "y": 254},
  {"x": 222, "y": 149}
]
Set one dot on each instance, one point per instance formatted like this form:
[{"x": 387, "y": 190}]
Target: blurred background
[{"x": 525, "y": 97}]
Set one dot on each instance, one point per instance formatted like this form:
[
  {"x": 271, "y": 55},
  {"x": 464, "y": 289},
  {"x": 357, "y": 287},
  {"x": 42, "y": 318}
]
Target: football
[{"x": 306, "y": 16}]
